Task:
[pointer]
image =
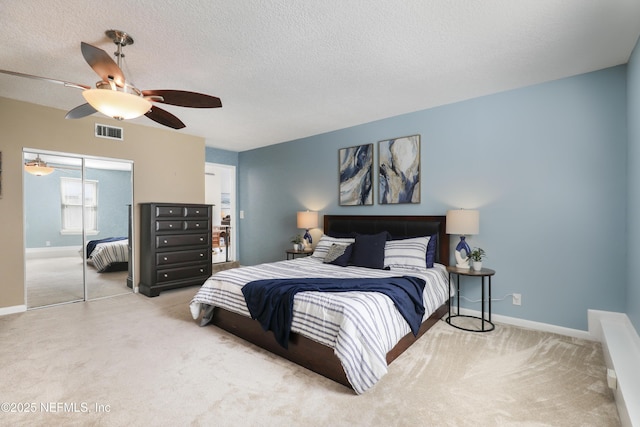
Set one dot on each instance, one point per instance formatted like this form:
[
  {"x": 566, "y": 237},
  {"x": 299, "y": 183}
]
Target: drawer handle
[
  {"x": 202, "y": 270},
  {"x": 201, "y": 255},
  {"x": 165, "y": 241},
  {"x": 165, "y": 258},
  {"x": 197, "y": 224},
  {"x": 166, "y": 275},
  {"x": 170, "y": 225},
  {"x": 170, "y": 210},
  {"x": 197, "y": 211},
  {"x": 201, "y": 239}
]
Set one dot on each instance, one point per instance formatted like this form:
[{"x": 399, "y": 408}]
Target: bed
[
  {"x": 110, "y": 254},
  {"x": 337, "y": 340}
]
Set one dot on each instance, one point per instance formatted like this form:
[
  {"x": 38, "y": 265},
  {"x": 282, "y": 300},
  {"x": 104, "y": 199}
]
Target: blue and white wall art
[
  {"x": 399, "y": 170},
  {"x": 356, "y": 175}
]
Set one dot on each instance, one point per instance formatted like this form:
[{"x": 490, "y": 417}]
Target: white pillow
[
  {"x": 322, "y": 248},
  {"x": 408, "y": 254}
]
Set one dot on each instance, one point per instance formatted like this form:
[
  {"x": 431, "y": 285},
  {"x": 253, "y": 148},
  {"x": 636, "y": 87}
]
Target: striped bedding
[
  {"x": 361, "y": 327},
  {"x": 108, "y": 253}
]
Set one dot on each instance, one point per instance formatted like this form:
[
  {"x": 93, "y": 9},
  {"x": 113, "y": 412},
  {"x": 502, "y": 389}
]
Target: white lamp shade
[
  {"x": 38, "y": 167},
  {"x": 464, "y": 222},
  {"x": 307, "y": 219},
  {"x": 38, "y": 170},
  {"x": 116, "y": 104}
]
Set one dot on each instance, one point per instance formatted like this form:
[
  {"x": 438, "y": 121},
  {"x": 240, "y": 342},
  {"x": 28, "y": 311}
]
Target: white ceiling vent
[{"x": 109, "y": 132}]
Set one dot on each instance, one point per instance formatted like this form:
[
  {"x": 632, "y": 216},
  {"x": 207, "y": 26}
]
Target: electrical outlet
[{"x": 517, "y": 299}]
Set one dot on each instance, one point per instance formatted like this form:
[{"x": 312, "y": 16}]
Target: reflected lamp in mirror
[
  {"x": 464, "y": 222},
  {"x": 307, "y": 220},
  {"x": 37, "y": 167}
]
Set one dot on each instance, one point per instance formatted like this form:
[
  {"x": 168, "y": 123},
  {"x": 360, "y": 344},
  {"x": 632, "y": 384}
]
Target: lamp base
[
  {"x": 462, "y": 262},
  {"x": 462, "y": 246},
  {"x": 307, "y": 237}
]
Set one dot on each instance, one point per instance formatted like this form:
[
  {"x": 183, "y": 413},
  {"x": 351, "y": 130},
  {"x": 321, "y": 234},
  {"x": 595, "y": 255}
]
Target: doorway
[
  {"x": 76, "y": 227},
  {"x": 220, "y": 191}
]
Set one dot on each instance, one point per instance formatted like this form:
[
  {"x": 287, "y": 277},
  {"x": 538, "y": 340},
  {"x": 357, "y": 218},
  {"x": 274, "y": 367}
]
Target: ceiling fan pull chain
[
  {"x": 121, "y": 39},
  {"x": 119, "y": 53}
]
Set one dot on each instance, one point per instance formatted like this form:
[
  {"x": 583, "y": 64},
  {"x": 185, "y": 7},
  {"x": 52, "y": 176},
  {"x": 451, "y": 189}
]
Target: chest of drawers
[{"x": 175, "y": 246}]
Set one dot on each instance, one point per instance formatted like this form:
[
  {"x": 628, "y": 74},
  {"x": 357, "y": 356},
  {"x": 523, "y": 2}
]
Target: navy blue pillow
[
  {"x": 368, "y": 250},
  {"x": 339, "y": 255},
  {"x": 431, "y": 250}
]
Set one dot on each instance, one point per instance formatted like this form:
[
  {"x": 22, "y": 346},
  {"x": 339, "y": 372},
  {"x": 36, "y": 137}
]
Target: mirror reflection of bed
[{"x": 55, "y": 252}]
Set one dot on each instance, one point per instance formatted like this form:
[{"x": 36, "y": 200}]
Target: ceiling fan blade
[
  {"x": 183, "y": 98},
  {"x": 102, "y": 64},
  {"x": 46, "y": 79},
  {"x": 164, "y": 117},
  {"x": 81, "y": 111}
]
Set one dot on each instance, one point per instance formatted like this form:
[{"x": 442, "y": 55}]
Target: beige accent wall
[{"x": 168, "y": 167}]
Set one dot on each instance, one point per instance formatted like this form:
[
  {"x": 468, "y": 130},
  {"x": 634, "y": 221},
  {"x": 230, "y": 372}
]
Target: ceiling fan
[{"x": 116, "y": 98}]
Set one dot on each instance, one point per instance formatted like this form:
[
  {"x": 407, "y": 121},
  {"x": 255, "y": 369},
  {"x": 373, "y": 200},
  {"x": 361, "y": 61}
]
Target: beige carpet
[
  {"x": 132, "y": 360},
  {"x": 58, "y": 280}
]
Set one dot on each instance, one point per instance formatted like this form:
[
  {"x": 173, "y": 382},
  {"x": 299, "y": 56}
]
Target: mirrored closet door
[{"x": 77, "y": 222}]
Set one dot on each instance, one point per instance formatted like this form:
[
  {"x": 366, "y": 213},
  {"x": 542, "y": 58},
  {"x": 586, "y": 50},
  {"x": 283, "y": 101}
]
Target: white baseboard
[
  {"x": 12, "y": 310},
  {"x": 53, "y": 252},
  {"x": 537, "y": 326}
]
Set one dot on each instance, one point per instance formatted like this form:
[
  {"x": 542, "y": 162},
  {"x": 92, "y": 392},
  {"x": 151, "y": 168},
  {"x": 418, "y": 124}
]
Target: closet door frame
[{"x": 95, "y": 160}]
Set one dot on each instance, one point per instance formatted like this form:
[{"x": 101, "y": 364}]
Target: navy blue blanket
[
  {"x": 91, "y": 245},
  {"x": 270, "y": 301}
]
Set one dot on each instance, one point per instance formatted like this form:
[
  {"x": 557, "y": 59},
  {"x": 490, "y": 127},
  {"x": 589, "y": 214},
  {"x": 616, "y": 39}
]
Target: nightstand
[
  {"x": 291, "y": 254},
  {"x": 487, "y": 325}
]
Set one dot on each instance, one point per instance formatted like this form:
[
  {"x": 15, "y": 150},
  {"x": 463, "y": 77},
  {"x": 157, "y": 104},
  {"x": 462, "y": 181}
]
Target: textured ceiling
[{"x": 287, "y": 69}]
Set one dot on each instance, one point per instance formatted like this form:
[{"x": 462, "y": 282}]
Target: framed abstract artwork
[
  {"x": 356, "y": 175},
  {"x": 399, "y": 170}
]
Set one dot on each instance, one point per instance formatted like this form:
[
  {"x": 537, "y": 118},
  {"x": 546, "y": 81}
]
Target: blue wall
[
  {"x": 545, "y": 165},
  {"x": 223, "y": 157},
  {"x": 633, "y": 284},
  {"x": 43, "y": 213}
]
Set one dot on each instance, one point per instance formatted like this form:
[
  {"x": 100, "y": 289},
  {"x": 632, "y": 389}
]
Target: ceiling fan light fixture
[
  {"x": 38, "y": 167},
  {"x": 117, "y": 99},
  {"x": 117, "y": 104}
]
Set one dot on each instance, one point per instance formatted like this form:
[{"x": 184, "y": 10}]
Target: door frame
[{"x": 209, "y": 168}]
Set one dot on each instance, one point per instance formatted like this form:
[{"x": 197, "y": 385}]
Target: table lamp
[
  {"x": 307, "y": 220},
  {"x": 464, "y": 222}
]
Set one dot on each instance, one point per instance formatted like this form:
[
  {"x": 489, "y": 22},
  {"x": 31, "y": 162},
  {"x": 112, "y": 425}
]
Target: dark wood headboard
[{"x": 398, "y": 226}]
